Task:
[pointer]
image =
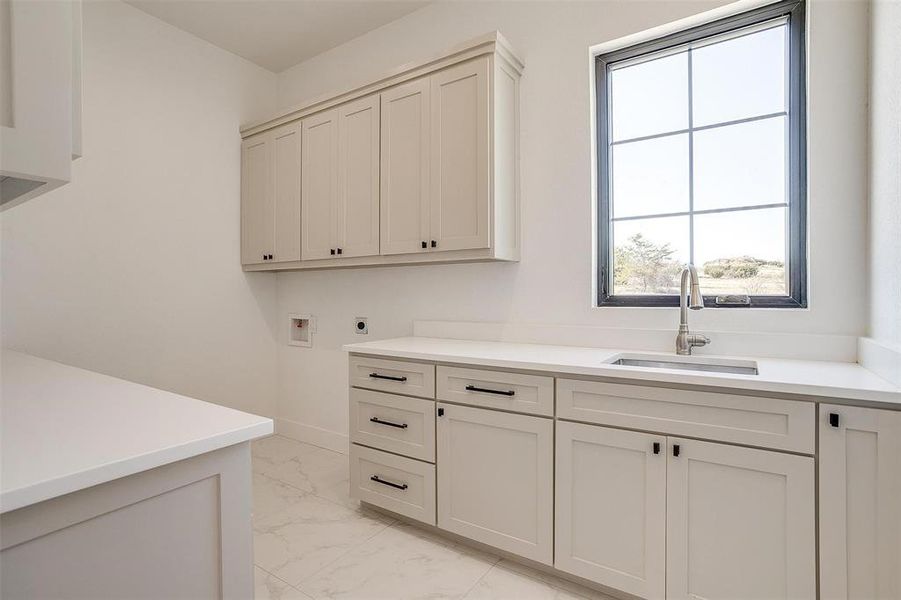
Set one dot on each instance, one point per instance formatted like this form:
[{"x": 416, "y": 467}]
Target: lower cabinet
[
  {"x": 860, "y": 503},
  {"x": 740, "y": 523},
  {"x": 496, "y": 479},
  {"x": 397, "y": 483},
  {"x": 611, "y": 507},
  {"x": 665, "y": 517}
]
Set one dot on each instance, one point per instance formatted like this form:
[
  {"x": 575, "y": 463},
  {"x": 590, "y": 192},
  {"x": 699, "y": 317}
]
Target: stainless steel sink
[{"x": 738, "y": 367}]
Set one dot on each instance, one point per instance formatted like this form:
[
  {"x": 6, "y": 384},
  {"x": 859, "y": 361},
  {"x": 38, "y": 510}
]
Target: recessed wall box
[{"x": 300, "y": 330}]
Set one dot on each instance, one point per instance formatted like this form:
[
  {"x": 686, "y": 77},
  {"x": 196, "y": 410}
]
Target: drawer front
[
  {"x": 395, "y": 483},
  {"x": 765, "y": 422},
  {"x": 398, "y": 376},
  {"x": 531, "y": 394},
  {"x": 394, "y": 423}
]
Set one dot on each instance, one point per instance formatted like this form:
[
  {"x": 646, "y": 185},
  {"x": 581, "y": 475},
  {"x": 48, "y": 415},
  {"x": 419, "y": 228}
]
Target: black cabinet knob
[
  {"x": 264, "y": 257},
  {"x": 656, "y": 447},
  {"x": 339, "y": 250},
  {"x": 434, "y": 244},
  {"x": 424, "y": 245},
  {"x": 676, "y": 449},
  {"x": 269, "y": 257},
  {"x": 833, "y": 419},
  {"x": 331, "y": 251}
]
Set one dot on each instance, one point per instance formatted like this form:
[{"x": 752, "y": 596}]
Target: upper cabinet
[
  {"x": 460, "y": 196},
  {"x": 405, "y": 168},
  {"x": 270, "y": 196},
  {"x": 40, "y": 96},
  {"x": 419, "y": 166}
]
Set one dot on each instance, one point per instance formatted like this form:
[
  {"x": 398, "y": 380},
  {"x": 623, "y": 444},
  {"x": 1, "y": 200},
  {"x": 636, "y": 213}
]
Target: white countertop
[
  {"x": 65, "y": 429},
  {"x": 848, "y": 382}
]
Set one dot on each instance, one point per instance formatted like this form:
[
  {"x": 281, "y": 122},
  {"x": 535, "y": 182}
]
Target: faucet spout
[{"x": 689, "y": 299}]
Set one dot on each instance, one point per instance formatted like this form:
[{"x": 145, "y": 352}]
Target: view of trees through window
[{"x": 643, "y": 267}]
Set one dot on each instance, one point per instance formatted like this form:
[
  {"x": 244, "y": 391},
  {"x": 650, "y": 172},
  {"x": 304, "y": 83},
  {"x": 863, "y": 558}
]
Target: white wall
[
  {"x": 133, "y": 268},
  {"x": 552, "y": 283},
  {"x": 885, "y": 186}
]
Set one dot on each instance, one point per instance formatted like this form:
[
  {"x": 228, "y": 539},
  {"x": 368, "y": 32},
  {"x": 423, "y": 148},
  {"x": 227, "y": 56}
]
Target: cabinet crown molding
[{"x": 489, "y": 43}]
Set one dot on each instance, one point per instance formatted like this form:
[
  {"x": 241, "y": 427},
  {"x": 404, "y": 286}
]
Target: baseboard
[
  {"x": 880, "y": 358},
  {"x": 330, "y": 440}
]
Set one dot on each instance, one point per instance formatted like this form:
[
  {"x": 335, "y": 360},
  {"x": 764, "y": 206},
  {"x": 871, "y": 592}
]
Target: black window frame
[{"x": 794, "y": 10}]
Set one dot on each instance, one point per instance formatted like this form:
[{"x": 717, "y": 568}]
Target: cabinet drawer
[
  {"x": 398, "y": 484},
  {"x": 398, "y": 376},
  {"x": 532, "y": 394},
  {"x": 765, "y": 422},
  {"x": 394, "y": 423}
]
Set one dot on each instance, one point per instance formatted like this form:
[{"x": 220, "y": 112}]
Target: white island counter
[{"x": 100, "y": 478}]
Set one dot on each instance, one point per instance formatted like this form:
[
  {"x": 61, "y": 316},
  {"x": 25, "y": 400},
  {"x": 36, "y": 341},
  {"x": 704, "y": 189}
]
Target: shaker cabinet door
[
  {"x": 320, "y": 185},
  {"x": 860, "y": 503},
  {"x": 358, "y": 177},
  {"x": 611, "y": 507},
  {"x": 739, "y": 523},
  {"x": 405, "y": 168}
]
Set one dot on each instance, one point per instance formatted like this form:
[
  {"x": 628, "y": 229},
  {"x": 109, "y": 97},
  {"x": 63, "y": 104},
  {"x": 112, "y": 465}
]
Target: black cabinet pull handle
[
  {"x": 833, "y": 419},
  {"x": 388, "y": 423},
  {"x": 389, "y": 377},
  {"x": 440, "y": 412},
  {"x": 675, "y": 449},
  {"x": 339, "y": 250},
  {"x": 472, "y": 388},
  {"x": 377, "y": 479},
  {"x": 656, "y": 447},
  {"x": 424, "y": 245},
  {"x": 434, "y": 244}
]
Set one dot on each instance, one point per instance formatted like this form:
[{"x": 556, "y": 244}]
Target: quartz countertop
[
  {"x": 65, "y": 429},
  {"x": 832, "y": 381}
]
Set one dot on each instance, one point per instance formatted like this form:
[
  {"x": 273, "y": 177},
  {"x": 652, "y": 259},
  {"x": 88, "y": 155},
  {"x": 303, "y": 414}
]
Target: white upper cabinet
[
  {"x": 740, "y": 523},
  {"x": 418, "y": 166},
  {"x": 611, "y": 507},
  {"x": 860, "y": 503},
  {"x": 257, "y": 203},
  {"x": 270, "y": 196},
  {"x": 405, "y": 168},
  {"x": 286, "y": 144},
  {"x": 460, "y": 168},
  {"x": 357, "y": 213},
  {"x": 320, "y": 186}
]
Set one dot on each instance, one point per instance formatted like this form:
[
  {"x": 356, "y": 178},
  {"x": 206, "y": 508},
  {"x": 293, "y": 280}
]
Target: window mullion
[{"x": 691, "y": 166}]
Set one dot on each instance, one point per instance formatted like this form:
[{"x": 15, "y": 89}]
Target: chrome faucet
[{"x": 686, "y": 340}]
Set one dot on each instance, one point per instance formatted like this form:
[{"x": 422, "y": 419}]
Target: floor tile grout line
[
  {"x": 479, "y": 580},
  {"x": 268, "y": 572},
  {"x": 343, "y": 554}
]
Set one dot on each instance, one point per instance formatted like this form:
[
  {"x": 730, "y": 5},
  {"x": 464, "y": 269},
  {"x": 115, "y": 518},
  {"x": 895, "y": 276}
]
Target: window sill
[{"x": 780, "y": 302}]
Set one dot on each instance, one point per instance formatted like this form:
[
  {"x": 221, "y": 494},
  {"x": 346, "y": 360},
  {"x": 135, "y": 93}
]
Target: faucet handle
[{"x": 698, "y": 340}]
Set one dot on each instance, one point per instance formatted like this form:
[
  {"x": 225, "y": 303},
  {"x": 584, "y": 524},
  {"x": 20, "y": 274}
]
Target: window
[{"x": 701, "y": 159}]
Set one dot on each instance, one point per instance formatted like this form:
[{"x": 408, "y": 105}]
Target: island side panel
[{"x": 180, "y": 530}]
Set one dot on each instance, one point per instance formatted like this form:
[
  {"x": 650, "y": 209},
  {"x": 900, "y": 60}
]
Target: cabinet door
[
  {"x": 286, "y": 191},
  {"x": 320, "y": 185},
  {"x": 358, "y": 177},
  {"x": 860, "y": 503},
  {"x": 460, "y": 196},
  {"x": 611, "y": 507},
  {"x": 496, "y": 479},
  {"x": 257, "y": 204},
  {"x": 739, "y": 523},
  {"x": 405, "y": 168}
]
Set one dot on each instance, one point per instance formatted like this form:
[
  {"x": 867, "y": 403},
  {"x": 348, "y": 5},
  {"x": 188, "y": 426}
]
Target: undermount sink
[{"x": 706, "y": 365}]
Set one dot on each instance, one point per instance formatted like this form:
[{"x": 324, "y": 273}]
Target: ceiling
[{"x": 277, "y": 34}]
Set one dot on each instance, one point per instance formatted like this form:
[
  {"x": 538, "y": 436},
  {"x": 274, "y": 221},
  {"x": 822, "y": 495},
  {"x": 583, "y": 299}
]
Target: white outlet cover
[{"x": 357, "y": 329}]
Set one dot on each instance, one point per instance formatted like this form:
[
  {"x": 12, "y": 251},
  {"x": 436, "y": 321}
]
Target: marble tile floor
[{"x": 311, "y": 540}]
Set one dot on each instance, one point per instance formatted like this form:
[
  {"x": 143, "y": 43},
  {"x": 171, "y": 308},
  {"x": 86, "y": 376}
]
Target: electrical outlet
[{"x": 361, "y": 326}]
